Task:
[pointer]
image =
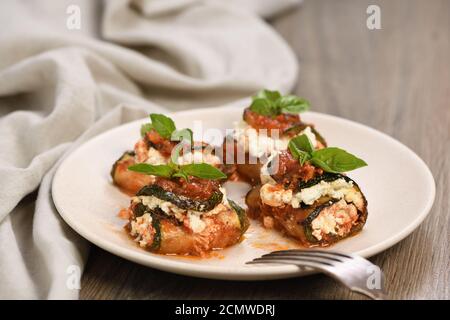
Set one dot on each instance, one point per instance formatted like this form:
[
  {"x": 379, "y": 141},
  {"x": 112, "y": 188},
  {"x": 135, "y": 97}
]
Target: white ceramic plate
[{"x": 398, "y": 185}]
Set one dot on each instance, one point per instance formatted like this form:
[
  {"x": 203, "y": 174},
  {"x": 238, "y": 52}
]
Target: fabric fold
[{"x": 61, "y": 87}]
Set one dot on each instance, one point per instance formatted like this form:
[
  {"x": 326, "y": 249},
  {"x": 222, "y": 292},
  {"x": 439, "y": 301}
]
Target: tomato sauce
[
  {"x": 161, "y": 144},
  {"x": 290, "y": 171},
  {"x": 195, "y": 188},
  {"x": 280, "y": 122}
]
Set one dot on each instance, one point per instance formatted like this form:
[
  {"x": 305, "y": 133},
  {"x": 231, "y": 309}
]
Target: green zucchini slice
[
  {"x": 296, "y": 129},
  {"x": 311, "y": 212},
  {"x": 157, "y": 238},
  {"x": 126, "y": 155},
  {"x": 242, "y": 216},
  {"x": 326, "y": 177},
  {"x": 182, "y": 201}
]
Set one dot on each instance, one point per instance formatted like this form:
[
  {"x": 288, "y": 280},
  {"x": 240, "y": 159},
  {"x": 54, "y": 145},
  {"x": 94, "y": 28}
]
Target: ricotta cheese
[
  {"x": 194, "y": 217},
  {"x": 155, "y": 157},
  {"x": 196, "y": 223},
  {"x": 337, "y": 219},
  {"x": 277, "y": 196},
  {"x": 259, "y": 145},
  {"x": 337, "y": 189},
  {"x": 198, "y": 157},
  {"x": 142, "y": 230}
]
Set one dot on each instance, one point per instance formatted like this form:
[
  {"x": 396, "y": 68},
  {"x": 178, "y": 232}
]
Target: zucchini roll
[
  {"x": 155, "y": 147},
  {"x": 263, "y": 131},
  {"x": 316, "y": 207},
  {"x": 175, "y": 216}
]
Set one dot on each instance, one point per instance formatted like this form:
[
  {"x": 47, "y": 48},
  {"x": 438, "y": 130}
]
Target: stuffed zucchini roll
[
  {"x": 159, "y": 139},
  {"x": 266, "y": 127},
  {"x": 308, "y": 197},
  {"x": 184, "y": 211}
]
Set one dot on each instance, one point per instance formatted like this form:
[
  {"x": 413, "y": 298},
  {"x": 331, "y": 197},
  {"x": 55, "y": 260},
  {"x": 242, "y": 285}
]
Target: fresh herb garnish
[
  {"x": 301, "y": 148},
  {"x": 166, "y": 129},
  {"x": 160, "y": 170},
  {"x": 185, "y": 134},
  {"x": 163, "y": 125},
  {"x": 172, "y": 170},
  {"x": 146, "y": 127},
  {"x": 330, "y": 159},
  {"x": 272, "y": 103}
]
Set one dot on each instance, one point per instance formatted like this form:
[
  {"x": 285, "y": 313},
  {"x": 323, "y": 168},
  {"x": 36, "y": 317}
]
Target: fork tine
[
  {"x": 350, "y": 270},
  {"x": 355, "y": 263},
  {"x": 296, "y": 258},
  {"x": 305, "y": 254},
  {"x": 318, "y": 266},
  {"x": 323, "y": 252}
]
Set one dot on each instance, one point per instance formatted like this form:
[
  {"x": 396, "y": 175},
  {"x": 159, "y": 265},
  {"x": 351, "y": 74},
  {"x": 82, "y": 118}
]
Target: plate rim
[{"x": 266, "y": 272}]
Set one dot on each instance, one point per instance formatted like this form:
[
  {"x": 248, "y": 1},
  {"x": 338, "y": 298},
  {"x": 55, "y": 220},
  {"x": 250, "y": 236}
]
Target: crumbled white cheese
[
  {"x": 259, "y": 145},
  {"x": 276, "y": 195},
  {"x": 336, "y": 219},
  {"x": 155, "y": 157},
  {"x": 198, "y": 157},
  {"x": 196, "y": 223},
  {"x": 324, "y": 224},
  {"x": 337, "y": 189},
  {"x": 194, "y": 217},
  {"x": 142, "y": 230}
]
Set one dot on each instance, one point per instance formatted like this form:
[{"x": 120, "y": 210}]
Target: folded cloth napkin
[{"x": 72, "y": 69}]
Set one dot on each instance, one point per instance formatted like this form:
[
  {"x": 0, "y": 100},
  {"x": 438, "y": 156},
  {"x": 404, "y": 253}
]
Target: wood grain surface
[{"x": 396, "y": 80}]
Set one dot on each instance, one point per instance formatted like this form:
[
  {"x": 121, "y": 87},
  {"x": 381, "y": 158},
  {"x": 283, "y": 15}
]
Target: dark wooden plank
[{"x": 396, "y": 80}]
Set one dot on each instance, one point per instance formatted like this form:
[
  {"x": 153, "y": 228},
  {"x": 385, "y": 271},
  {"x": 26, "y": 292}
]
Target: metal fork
[{"x": 351, "y": 270}]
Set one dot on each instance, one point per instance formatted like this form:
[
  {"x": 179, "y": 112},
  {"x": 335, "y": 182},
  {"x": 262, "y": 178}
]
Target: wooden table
[{"x": 396, "y": 80}]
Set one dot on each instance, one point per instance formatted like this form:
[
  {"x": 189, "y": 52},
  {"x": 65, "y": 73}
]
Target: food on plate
[
  {"x": 300, "y": 188},
  {"x": 158, "y": 139},
  {"x": 305, "y": 194},
  {"x": 267, "y": 125},
  {"x": 184, "y": 210}
]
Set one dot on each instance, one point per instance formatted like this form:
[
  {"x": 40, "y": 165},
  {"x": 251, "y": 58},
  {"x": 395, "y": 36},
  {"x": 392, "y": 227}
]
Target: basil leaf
[
  {"x": 181, "y": 174},
  {"x": 293, "y": 104},
  {"x": 146, "y": 127},
  {"x": 302, "y": 143},
  {"x": 161, "y": 170},
  {"x": 336, "y": 160},
  {"x": 302, "y": 156},
  {"x": 269, "y": 95},
  {"x": 203, "y": 171},
  {"x": 163, "y": 125},
  {"x": 263, "y": 106},
  {"x": 185, "y": 134}
]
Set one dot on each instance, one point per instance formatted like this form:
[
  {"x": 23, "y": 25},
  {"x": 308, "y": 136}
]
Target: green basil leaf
[
  {"x": 181, "y": 174},
  {"x": 302, "y": 156},
  {"x": 302, "y": 143},
  {"x": 163, "y": 125},
  {"x": 293, "y": 104},
  {"x": 146, "y": 127},
  {"x": 161, "y": 170},
  {"x": 203, "y": 171},
  {"x": 185, "y": 134},
  {"x": 336, "y": 160},
  {"x": 267, "y": 94},
  {"x": 263, "y": 106}
]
